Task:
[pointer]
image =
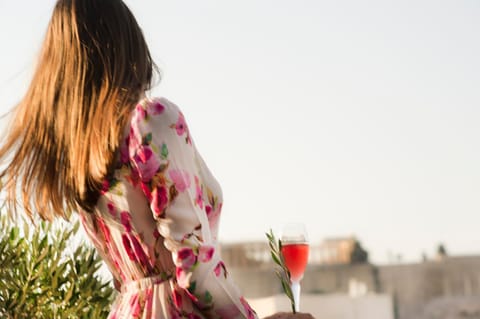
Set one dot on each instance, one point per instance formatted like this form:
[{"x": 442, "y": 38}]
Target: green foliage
[
  {"x": 282, "y": 271},
  {"x": 40, "y": 279}
]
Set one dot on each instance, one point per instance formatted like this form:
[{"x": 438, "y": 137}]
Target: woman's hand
[{"x": 289, "y": 315}]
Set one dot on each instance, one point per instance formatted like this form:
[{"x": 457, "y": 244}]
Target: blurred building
[
  {"x": 333, "y": 251},
  {"x": 420, "y": 289},
  {"x": 331, "y": 306},
  {"x": 247, "y": 254},
  {"x": 416, "y": 289}
]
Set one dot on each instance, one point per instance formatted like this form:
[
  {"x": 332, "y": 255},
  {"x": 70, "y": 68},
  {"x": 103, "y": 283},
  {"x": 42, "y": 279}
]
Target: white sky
[{"x": 355, "y": 117}]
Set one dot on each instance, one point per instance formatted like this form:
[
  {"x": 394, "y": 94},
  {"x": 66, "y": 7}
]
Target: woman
[{"x": 85, "y": 138}]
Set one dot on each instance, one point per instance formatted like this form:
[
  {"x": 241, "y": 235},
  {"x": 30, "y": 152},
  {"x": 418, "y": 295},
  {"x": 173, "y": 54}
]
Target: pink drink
[{"x": 296, "y": 258}]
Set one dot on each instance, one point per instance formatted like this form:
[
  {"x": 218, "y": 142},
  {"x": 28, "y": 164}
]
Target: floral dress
[{"x": 156, "y": 224}]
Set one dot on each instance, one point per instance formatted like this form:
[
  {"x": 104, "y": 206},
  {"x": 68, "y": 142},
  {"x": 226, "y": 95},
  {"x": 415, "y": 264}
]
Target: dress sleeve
[{"x": 163, "y": 155}]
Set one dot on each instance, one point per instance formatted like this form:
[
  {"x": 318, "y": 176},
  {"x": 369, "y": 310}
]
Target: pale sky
[{"x": 354, "y": 117}]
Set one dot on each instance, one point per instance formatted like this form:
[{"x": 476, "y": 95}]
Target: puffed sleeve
[{"x": 163, "y": 155}]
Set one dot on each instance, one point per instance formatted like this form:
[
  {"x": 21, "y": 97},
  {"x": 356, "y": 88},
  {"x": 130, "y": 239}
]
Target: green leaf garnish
[{"x": 282, "y": 271}]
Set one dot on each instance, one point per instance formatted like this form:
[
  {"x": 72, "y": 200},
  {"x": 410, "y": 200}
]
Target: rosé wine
[{"x": 296, "y": 258}]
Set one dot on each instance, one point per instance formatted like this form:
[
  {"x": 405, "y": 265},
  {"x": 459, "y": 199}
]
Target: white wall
[{"x": 332, "y": 306}]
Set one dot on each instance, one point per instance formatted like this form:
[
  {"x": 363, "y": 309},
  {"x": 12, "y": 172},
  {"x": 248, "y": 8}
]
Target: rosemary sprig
[{"x": 282, "y": 271}]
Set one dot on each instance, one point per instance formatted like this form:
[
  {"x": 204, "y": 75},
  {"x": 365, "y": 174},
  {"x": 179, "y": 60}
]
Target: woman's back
[{"x": 156, "y": 224}]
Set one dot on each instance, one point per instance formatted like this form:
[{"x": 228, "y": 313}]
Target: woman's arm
[{"x": 162, "y": 153}]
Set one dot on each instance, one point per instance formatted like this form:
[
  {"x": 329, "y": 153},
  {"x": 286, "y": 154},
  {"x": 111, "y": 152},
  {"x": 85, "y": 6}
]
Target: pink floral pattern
[
  {"x": 205, "y": 253},
  {"x": 125, "y": 219},
  {"x": 181, "y": 179},
  {"x": 198, "y": 193},
  {"x": 159, "y": 200},
  {"x": 186, "y": 258},
  {"x": 156, "y": 224},
  {"x": 220, "y": 269}
]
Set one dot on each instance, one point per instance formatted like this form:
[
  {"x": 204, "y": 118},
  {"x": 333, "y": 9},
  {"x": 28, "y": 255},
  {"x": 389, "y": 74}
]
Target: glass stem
[{"x": 296, "y": 294}]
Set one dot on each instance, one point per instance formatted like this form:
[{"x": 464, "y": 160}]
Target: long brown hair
[{"x": 94, "y": 65}]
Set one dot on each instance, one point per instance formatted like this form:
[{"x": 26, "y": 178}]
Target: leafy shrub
[{"x": 39, "y": 278}]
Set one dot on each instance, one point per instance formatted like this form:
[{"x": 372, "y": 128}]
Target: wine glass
[{"x": 295, "y": 250}]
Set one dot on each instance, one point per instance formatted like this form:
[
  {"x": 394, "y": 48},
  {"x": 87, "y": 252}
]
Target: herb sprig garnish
[{"x": 282, "y": 271}]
